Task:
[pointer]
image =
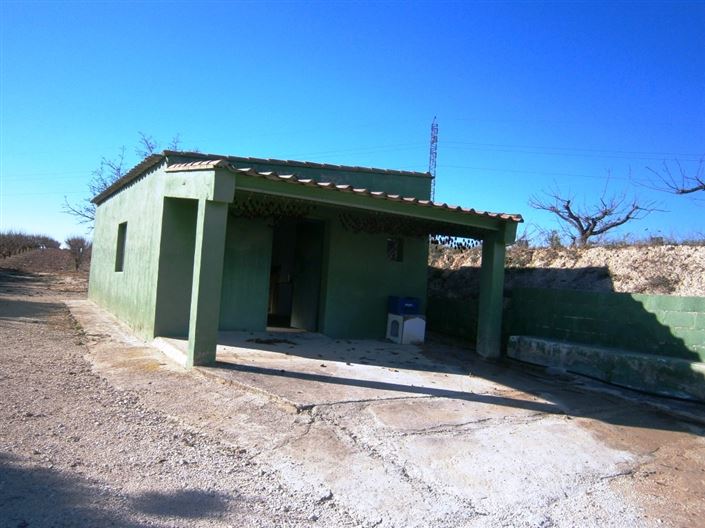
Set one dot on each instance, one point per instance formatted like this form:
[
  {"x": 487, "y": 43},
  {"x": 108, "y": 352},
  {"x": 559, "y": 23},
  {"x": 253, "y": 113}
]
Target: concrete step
[{"x": 662, "y": 375}]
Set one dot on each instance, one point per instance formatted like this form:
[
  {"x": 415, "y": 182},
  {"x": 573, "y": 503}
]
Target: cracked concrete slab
[{"x": 448, "y": 440}]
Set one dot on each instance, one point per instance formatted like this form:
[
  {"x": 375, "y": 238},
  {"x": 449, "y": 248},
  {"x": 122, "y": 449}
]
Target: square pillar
[
  {"x": 489, "y": 323},
  {"x": 211, "y": 223}
]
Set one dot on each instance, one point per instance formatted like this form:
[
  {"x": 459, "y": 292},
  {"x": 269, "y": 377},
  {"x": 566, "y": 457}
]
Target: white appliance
[{"x": 406, "y": 329}]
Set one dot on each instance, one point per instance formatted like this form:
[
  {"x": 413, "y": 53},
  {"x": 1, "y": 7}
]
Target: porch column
[
  {"x": 211, "y": 223},
  {"x": 489, "y": 323}
]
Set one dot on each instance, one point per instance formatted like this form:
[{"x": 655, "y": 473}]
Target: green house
[{"x": 189, "y": 244}]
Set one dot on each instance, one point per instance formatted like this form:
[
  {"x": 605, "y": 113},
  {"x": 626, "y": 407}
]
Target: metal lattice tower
[{"x": 433, "y": 154}]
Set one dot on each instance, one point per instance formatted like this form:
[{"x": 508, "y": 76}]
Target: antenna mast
[{"x": 433, "y": 154}]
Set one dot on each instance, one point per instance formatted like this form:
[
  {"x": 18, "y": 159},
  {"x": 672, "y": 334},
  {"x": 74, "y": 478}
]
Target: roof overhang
[
  {"x": 290, "y": 186},
  {"x": 465, "y": 220}
]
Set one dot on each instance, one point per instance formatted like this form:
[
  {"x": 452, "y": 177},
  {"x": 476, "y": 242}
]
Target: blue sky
[{"x": 528, "y": 95}]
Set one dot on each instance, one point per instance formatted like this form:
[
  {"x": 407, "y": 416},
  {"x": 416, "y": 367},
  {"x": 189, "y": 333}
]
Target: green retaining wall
[
  {"x": 651, "y": 324},
  {"x": 456, "y": 317}
]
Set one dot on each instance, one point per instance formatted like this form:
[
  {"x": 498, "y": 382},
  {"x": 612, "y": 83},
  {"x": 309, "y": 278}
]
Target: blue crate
[{"x": 403, "y": 305}]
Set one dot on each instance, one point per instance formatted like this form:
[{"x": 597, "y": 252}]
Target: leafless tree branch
[
  {"x": 108, "y": 172},
  {"x": 175, "y": 143},
  {"x": 581, "y": 223},
  {"x": 146, "y": 145},
  {"x": 678, "y": 180}
]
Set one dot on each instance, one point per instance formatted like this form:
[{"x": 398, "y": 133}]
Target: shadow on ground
[
  {"x": 16, "y": 282},
  {"x": 188, "y": 504},
  {"x": 38, "y": 496},
  {"x": 361, "y": 352},
  {"x": 517, "y": 383},
  {"x": 385, "y": 386}
]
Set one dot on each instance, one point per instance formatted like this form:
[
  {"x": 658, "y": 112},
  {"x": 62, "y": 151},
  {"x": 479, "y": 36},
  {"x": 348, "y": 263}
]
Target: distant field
[{"x": 47, "y": 260}]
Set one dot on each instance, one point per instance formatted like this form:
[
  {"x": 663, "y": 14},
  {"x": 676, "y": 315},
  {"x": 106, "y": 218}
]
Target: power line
[
  {"x": 593, "y": 123},
  {"x": 373, "y": 149},
  {"x": 48, "y": 173},
  {"x": 519, "y": 171},
  {"x": 593, "y": 156},
  {"x": 21, "y": 179},
  {"x": 56, "y": 193},
  {"x": 576, "y": 149}
]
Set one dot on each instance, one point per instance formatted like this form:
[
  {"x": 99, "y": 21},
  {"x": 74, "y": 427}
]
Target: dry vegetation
[
  {"x": 654, "y": 269},
  {"x": 16, "y": 242},
  {"x": 47, "y": 260},
  {"x": 33, "y": 253}
]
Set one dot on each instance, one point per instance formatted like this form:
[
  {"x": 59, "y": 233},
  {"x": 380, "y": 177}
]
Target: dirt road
[
  {"x": 76, "y": 451},
  {"x": 98, "y": 429}
]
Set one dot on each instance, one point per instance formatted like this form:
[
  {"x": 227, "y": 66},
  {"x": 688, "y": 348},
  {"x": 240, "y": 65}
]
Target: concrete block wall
[
  {"x": 651, "y": 324},
  {"x": 455, "y": 317}
]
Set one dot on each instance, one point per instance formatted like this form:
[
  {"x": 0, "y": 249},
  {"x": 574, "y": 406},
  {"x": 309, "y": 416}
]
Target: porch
[{"x": 229, "y": 239}]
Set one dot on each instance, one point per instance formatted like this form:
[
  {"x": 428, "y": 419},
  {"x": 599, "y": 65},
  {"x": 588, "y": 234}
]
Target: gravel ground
[{"x": 76, "y": 451}]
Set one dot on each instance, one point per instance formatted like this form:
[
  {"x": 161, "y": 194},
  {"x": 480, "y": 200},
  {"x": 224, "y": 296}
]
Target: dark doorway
[{"x": 295, "y": 275}]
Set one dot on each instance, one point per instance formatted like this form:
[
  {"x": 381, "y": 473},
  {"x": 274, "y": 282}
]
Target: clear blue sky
[{"x": 528, "y": 95}]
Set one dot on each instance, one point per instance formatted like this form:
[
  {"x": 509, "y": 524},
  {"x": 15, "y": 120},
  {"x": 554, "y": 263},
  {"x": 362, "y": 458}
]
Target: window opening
[
  {"x": 120, "y": 253},
  {"x": 395, "y": 249}
]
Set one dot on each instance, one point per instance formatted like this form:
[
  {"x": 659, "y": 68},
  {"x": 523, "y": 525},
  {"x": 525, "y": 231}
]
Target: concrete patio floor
[{"x": 303, "y": 370}]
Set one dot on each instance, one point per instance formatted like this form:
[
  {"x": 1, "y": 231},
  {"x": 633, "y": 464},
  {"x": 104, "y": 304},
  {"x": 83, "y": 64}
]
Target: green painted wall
[
  {"x": 652, "y": 324},
  {"x": 356, "y": 275},
  {"x": 403, "y": 184},
  {"x": 455, "y": 317},
  {"x": 178, "y": 244},
  {"x": 356, "y": 278},
  {"x": 130, "y": 294},
  {"x": 359, "y": 278},
  {"x": 245, "y": 290}
]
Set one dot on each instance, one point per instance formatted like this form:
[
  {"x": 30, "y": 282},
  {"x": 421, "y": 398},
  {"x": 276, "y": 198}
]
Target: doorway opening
[{"x": 295, "y": 275}]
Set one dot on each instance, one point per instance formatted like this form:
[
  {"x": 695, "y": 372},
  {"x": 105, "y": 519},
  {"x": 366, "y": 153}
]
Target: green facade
[
  {"x": 131, "y": 294},
  {"x": 195, "y": 263}
]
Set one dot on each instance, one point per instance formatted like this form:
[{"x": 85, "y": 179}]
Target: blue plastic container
[{"x": 403, "y": 305}]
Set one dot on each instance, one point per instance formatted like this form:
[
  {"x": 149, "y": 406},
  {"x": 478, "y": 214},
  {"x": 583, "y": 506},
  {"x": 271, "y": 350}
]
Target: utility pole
[{"x": 433, "y": 154}]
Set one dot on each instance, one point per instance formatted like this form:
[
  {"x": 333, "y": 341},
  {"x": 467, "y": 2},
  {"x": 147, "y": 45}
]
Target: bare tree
[
  {"x": 146, "y": 145},
  {"x": 79, "y": 247},
  {"x": 175, "y": 144},
  {"x": 109, "y": 171},
  {"x": 678, "y": 180},
  {"x": 14, "y": 242},
  {"x": 584, "y": 222}
]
